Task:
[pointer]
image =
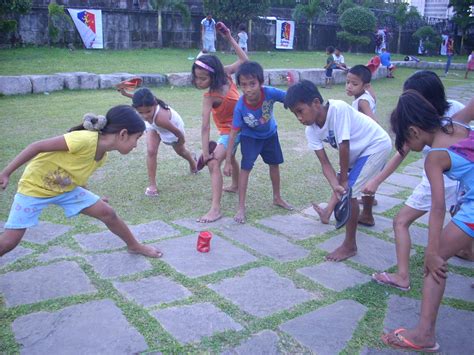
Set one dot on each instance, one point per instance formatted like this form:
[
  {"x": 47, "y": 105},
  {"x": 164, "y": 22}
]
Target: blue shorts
[
  {"x": 224, "y": 140},
  {"x": 464, "y": 218},
  {"x": 25, "y": 210},
  {"x": 269, "y": 148}
]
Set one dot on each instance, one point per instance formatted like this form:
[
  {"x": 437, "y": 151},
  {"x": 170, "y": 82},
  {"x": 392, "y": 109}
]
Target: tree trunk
[
  {"x": 160, "y": 30},
  {"x": 310, "y": 36},
  {"x": 399, "y": 38}
]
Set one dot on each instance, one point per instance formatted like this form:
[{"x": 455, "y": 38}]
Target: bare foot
[
  {"x": 322, "y": 212},
  {"x": 366, "y": 220},
  {"x": 283, "y": 204},
  {"x": 240, "y": 217},
  {"x": 146, "y": 250},
  {"x": 211, "y": 216},
  {"x": 341, "y": 253},
  {"x": 232, "y": 189}
]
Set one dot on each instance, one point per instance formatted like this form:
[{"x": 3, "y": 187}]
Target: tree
[
  {"x": 431, "y": 39},
  {"x": 463, "y": 16},
  {"x": 309, "y": 11},
  {"x": 10, "y": 8},
  {"x": 403, "y": 13},
  {"x": 234, "y": 12},
  {"x": 56, "y": 19},
  {"x": 345, "y": 5},
  {"x": 177, "y": 5},
  {"x": 356, "y": 22}
]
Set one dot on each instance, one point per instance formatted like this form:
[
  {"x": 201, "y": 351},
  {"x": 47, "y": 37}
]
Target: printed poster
[
  {"x": 89, "y": 26},
  {"x": 285, "y": 33}
]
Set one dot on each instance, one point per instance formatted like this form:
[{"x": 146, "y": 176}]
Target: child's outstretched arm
[
  {"x": 241, "y": 55},
  {"x": 466, "y": 115},
  {"x": 364, "y": 107},
  {"x": 206, "y": 126},
  {"x": 329, "y": 171},
  {"x": 47, "y": 145},
  {"x": 392, "y": 165},
  {"x": 228, "y": 153}
]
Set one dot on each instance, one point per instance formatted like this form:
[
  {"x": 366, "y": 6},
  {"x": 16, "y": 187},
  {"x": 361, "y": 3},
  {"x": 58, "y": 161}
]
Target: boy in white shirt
[
  {"x": 363, "y": 146},
  {"x": 339, "y": 59}
]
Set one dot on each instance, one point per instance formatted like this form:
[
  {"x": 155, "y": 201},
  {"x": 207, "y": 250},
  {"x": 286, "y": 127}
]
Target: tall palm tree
[
  {"x": 403, "y": 13},
  {"x": 309, "y": 11},
  {"x": 178, "y": 5}
]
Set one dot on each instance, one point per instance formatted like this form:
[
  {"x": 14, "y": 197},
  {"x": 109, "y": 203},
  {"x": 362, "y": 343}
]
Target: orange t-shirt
[{"x": 224, "y": 113}]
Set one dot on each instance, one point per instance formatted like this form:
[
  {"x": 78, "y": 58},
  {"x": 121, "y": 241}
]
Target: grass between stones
[{"x": 123, "y": 179}]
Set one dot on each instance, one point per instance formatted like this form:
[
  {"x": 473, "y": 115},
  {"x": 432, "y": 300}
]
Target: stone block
[
  {"x": 296, "y": 226},
  {"x": 339, "y": 76},
  {"x": 57, "y": 252},
  {"x": 263, "y": 343},
  {"x": 12, "y": 256},
  {"x": 46, "y": 83},
  {"x": 15, "y": 85},
  {"x": 108, "y": 81},
  {"x": 179, "y": 79},
  {"x": 317, "y": 76},
  {"x": 277, "y": 77},
  {"x": 80, "y": 81},
  {"x": 153, "y": 80},
  {"x": 118, "y": 264}
]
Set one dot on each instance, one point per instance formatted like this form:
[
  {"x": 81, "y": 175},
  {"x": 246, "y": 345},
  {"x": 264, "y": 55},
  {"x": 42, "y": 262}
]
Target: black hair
[
  {"x": 414, "y": 110},
  {"x": 362, "y": 72},
  {"x": 144, "y": 97},
  {"x": 242, "y": 27},
  {"x": 252, "y": 69},
  {"x": 337, "y": 49},
  {"x": 118, "y": 118},
  {"x": 303, "y": 92},
  {"x": 428, "y": 84},
  {"x": 330, "y": 49},
  {"x": 218, "y": 78}
]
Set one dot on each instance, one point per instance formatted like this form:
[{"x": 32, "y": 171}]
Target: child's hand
[
  {"x": 339, "y": 190},
  {"x": 435, "y": 265},
  {"x": 227, "y": 169},
  {"x": 4, "y": 180}
]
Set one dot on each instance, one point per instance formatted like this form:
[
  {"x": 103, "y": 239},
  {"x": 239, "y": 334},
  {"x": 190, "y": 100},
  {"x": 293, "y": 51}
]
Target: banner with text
[
  {"x": 285, "y": 33},
  {"x": 89, "y": 25}
]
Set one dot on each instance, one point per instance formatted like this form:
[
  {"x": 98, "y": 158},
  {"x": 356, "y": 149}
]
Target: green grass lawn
[
  {"x": 46, "y": 60},
  {"x": 123, "y": 179}
]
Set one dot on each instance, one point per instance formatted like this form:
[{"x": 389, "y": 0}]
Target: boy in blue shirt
[
  {"x": 253, "y": 116},
  {"x": 385, "y": 61}
]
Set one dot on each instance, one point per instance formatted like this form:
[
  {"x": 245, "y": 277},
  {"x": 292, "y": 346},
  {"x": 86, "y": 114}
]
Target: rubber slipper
[
  {"x": 366, "y": 224},
  {"x": 405, "y": 344},
  {"x": 201, "y": 163},
  {"x": 151, "y": 193},
  {"x": 387, "y": 281},
  {"x": 342, "y": 210}
]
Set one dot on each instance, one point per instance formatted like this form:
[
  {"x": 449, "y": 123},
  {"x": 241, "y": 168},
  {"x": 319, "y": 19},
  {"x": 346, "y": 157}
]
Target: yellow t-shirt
[{"x": 53, "y": 173}]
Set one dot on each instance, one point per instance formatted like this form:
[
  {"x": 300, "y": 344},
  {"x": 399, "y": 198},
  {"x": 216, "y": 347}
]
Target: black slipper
[
  {"x": 342, "y": 211},
  {"x": 201, "y": 163}
]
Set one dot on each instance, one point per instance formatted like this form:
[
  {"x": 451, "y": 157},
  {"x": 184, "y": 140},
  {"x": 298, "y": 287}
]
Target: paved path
[{"x": 263, "y": 289}]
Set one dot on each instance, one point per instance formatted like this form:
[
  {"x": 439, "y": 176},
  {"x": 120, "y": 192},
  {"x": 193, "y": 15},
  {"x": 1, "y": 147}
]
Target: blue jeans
[{"x": 448, "y": 63}]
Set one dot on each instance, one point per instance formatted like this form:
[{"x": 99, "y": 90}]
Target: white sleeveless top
[{"x": 166, "y": 136}]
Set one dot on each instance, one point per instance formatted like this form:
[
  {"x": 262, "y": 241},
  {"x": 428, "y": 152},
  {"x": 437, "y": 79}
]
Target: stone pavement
[{"x": 264, "y": 288}]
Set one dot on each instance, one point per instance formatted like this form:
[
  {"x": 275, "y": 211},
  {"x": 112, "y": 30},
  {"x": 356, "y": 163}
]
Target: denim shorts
[
  {"x": 224, "y": 140},
  {"x": 269, "y": 148},
  {"x": 25, "y": 210}
]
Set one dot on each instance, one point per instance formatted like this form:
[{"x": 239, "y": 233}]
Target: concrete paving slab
[
  {"x": 372, "y": 252},
  {"x": 459, "y": 286},
  {"x": 191, "y": 223},
  {"x": 419, "y": 235},
  {"x": 335, "y": 276},
  {"x": 385, "y": 351},
  {"x": 388, "y": 189},
  {"x": 264, "y": 243},
  {"x": 43, "y": 233},
  {"x": 382, "y": 224},
  {"x": 426, "y": 218},
  {"x": 309, "y": 211},
  {"x": 454, "y": 327},
  {"x": 455, "y": 261},
  {"x": 413, "y": 170},
  {"x": 191, "y": 323},
  {"x": 152, "y": 291},
  {"x": 262, "y": 343},
  {"x": 97, "y": 327},
  {"x": 328, "y": 329},
  {"x": 106, "y": 240},
  {"x": 296, "y": 226},
  {"x": 41, "y": 283},
  {"x": 57, "y": 252},
  {"x": 404, "y": 180},
  {"x": 261, "y": 292},
  {"x": 385, "y": 203},
  {"x": 14, "y": 255},
  {"x": 118, "y": 264},
  {"x": 418, "y": 164},
  {"x": 182, "y": 255}
]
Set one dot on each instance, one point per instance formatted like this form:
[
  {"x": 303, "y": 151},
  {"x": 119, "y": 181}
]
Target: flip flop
[
  {"x": 151, "y": 193},
  {"x": 342, "y": 210},
  {"x": 387, "y": 281},
  {"x": 406, "y": 344},
  {"x": 201, "y": 163},
  {"x": 130, "y": 83}
]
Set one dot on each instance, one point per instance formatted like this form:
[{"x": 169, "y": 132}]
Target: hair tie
[
  {"x": 93, "y": 122},
  {"x": 204, "y": 66}
]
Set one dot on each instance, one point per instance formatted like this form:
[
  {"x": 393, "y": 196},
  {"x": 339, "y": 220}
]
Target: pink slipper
[{"x": 151, "y": 193}]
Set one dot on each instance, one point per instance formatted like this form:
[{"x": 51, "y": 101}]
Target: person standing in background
[
  {"x": 449, "y": 53},
  {"x": 243, "y": 37},
  {"x": 208, "y": 34}
]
